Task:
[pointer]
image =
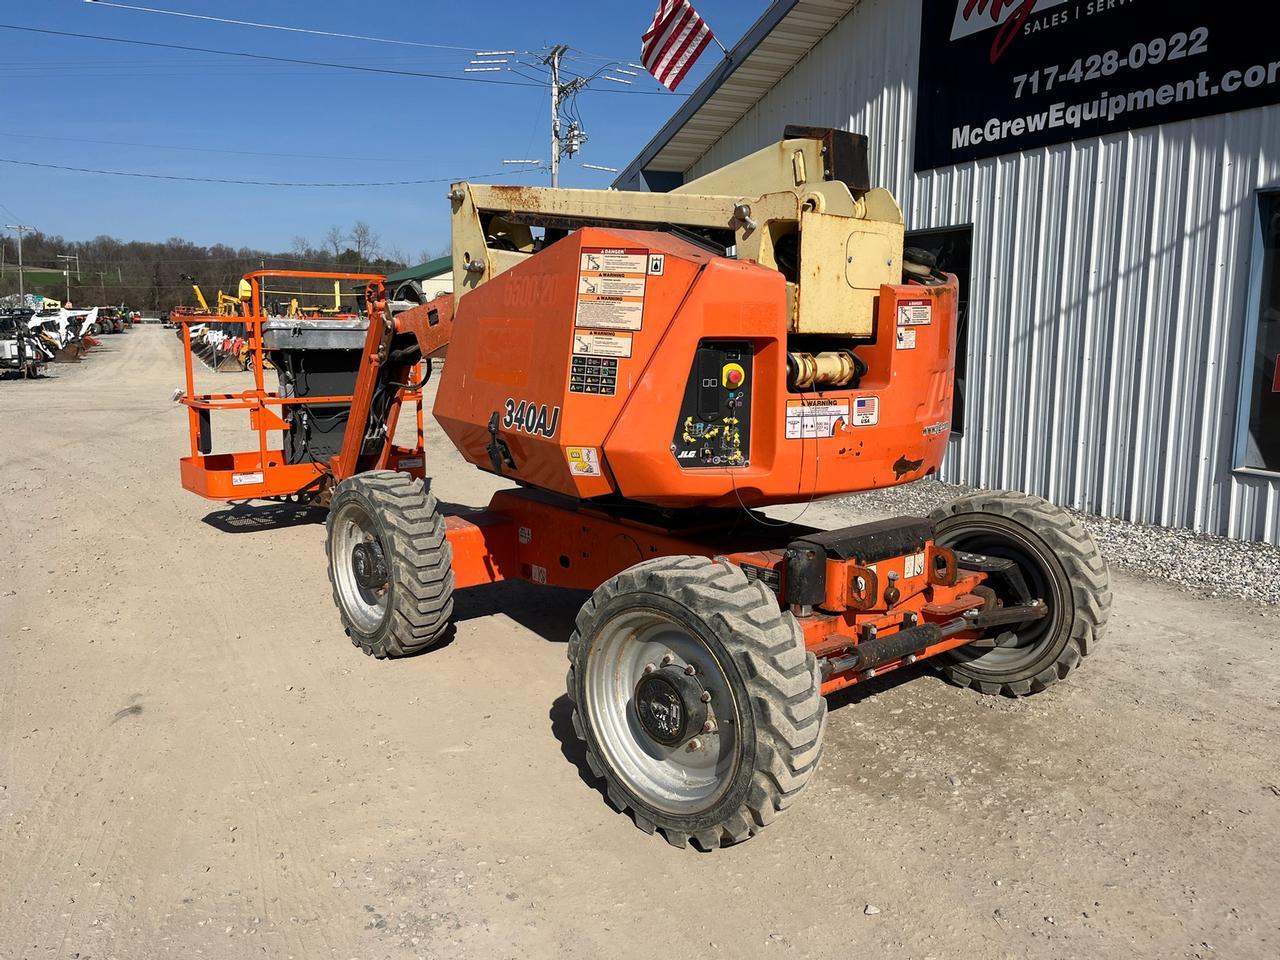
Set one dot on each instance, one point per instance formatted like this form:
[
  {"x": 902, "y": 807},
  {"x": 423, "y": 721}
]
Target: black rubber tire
[
  {"x": 762, "y": 655},
  {"x": 419, "y": 558},
  {"x": 1063, "y": 560}
]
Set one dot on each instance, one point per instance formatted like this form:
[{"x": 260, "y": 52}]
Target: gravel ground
[
  {"x": 195, "y": 763},
  {"x": 1214, "y": 565}
]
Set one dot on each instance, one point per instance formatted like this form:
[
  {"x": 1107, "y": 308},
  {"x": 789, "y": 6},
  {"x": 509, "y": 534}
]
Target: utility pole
[
  {"x": 22, "y": 289},
  {"x": 563, "y": 92},
  {"x": 66, "y": 259},
  {"x": 553, "y": 61}
]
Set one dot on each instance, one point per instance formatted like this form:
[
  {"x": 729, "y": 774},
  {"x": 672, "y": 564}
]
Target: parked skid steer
[{"x": 649, "y": 370}]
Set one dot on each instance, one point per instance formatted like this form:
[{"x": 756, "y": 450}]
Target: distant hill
[{"x": 147, "y": 276}]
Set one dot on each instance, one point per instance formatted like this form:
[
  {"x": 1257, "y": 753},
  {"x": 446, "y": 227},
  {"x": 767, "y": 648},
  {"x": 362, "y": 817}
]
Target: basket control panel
[{"x": 714, "y": 425}]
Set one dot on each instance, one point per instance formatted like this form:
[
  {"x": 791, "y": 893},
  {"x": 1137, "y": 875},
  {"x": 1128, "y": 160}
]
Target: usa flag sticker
[{"x": 866, "y": 411}]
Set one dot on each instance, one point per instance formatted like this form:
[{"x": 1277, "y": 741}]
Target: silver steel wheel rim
[
  {"x": 684, "y": 779},
  {"x": 366, "y": 608}
]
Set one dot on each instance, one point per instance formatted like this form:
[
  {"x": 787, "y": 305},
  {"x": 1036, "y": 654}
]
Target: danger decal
[
  {"x": 915, "y": 313},
  {"x": 611, "y": 287}
]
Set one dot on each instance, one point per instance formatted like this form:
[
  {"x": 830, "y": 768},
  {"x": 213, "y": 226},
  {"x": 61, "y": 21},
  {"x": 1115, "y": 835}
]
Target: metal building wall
[{"x": 1110, "y": 286}]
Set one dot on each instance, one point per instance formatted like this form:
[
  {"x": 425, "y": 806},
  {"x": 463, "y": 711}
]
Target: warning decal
[
  {"x": 245, "y": 479},
  {"x": 913, "y": 566},
  {"x": 602, "y": 343},
  {"x": 807, "y": 419},
  {"x": 583, "y": 461},
  {"x": 611, "y": 288},
  {"x": 915, "y": 313},
  {"x": 906, "y": 339}
]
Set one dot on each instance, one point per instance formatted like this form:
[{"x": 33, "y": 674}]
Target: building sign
[{"x": 998, "y": 76}]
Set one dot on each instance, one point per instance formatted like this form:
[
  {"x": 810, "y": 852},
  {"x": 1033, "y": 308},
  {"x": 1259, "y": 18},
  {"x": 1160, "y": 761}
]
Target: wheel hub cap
[
  {"x": 670, "y": 706},
  {"x": 369, "y": 565}
]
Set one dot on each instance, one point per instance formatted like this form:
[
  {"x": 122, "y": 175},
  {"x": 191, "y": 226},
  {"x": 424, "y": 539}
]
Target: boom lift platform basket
[{"x": 310, "y": 354}]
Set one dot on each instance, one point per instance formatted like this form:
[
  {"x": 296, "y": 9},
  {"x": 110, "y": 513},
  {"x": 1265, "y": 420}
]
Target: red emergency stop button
[{"x": 733, "y": 376}]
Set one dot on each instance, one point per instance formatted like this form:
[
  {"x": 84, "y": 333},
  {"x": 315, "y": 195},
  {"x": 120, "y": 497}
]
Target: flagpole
[{"x": 720, "y": 45}]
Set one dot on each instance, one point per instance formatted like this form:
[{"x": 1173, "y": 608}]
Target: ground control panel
[{"x": 714, "y": 426}]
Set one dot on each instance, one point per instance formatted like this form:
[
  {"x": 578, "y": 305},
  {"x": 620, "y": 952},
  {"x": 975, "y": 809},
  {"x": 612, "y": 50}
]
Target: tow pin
[{"x": 891, "y": 593}]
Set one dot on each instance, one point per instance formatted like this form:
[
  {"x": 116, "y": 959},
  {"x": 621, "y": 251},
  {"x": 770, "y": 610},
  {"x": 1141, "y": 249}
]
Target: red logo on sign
[{"x": 1021, "y": 11}]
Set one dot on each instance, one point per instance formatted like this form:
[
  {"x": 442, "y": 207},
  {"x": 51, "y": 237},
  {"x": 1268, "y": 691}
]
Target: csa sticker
[{"x": 583, "y": 461}]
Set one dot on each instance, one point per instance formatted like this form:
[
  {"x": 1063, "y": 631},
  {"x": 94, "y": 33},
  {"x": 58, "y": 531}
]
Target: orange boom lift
[{"x": 650, "y": 370}]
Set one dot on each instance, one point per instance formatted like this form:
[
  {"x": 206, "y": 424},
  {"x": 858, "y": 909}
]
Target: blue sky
[{"x": 375, "y": 127}]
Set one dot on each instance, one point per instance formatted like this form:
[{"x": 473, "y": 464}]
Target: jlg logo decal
[{"x": 530, "y": 417}]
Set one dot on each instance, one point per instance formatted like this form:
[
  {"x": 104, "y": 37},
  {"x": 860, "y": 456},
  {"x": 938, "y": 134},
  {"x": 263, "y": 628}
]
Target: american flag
[{"x": 674, "y": 41}]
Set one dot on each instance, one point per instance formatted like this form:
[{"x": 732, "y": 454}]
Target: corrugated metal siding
[{"x": 1110, "y": 286}]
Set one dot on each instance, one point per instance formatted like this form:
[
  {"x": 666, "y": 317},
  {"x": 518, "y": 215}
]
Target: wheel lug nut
[
  {"x": 695, "y": 744},
  {"x": 705, "y": 697},
  {"x": 668, "y": 659},
  {"x": 709, "y": 727},
  {"x": 649, "y": 668},
  {"x": 690, "y": 670}
]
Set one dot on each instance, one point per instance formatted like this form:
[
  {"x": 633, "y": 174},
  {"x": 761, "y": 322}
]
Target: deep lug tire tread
[
  {"x": 782, "y": 678},
  {"x": 1089, "y": 582},
  {"x": 420, "y": 558}
]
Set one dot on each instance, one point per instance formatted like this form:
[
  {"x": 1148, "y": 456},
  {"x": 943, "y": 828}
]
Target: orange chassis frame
[{"x": 525, "y": 534}]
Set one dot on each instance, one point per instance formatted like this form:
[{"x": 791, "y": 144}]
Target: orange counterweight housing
[{"x": 564, "y": 374}]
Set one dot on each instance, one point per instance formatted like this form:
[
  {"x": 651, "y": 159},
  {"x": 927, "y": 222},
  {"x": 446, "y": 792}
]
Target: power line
[
  {"x": 359, "y": 68},
  {"x": 271, "y": 26},
  {"x": 240, "y": 153},
  {"x": 320, "y": 33},
  {"x": 249, "y": 183}
]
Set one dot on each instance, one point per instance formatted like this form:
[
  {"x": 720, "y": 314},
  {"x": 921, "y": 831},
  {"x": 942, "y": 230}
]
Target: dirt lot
[{"x": 194, "y": 762}]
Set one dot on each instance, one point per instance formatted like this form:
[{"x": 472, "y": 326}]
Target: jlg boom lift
[{"x": 649, "y": 370}]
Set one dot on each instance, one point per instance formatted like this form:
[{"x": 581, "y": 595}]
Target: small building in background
[{"x": 420, "y": 284}]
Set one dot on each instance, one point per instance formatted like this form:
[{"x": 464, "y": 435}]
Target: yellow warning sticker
[{"x": 583, "y": 461}]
